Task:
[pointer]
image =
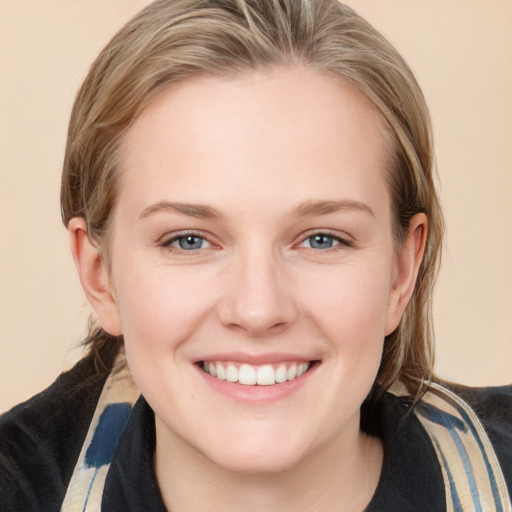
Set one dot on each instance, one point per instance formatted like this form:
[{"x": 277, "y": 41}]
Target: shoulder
[
  {"x": 40, "y": 439},
  {"x": 489, "y": 403},
  {"x": 493, "y": 407}
]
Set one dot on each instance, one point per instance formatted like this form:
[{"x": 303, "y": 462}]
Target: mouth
[{"x": 256, "y": 375}]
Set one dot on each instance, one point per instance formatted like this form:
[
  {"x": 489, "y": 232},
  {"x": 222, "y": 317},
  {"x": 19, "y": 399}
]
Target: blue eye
[
  {"x": 322, "y": 241},
  {"x": 187, "y": 243},
  {"x": 191, "y": 242}
]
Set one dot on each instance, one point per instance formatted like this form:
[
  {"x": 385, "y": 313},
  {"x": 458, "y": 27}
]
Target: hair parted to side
[{"x": 174, "y": 40}]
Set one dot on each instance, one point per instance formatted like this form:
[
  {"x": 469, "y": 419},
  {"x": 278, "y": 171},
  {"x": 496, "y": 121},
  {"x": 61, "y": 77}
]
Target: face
[{"x": 253, "y": 266}]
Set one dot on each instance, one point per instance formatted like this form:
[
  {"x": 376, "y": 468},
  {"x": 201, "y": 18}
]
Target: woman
[{"x": 249, "y": 191}]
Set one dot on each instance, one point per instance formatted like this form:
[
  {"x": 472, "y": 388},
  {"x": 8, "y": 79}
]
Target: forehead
[{"x": 295, "y": 128}]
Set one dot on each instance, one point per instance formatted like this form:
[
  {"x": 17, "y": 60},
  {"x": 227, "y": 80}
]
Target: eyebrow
[
  {"x": 311, "y": 208},
  {"x": 308, "y": 208},
  {"x": 192, "y": 210}
]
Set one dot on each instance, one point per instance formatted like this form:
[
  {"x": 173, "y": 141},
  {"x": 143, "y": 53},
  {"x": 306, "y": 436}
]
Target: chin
[
  {"x": 262, "y": 457},
  {"x": 260, "y": 464}
]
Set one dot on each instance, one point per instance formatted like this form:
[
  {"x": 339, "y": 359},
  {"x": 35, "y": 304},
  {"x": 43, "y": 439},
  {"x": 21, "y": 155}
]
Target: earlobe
[
  {"x": 93, "y": 276},
  {"x": 408, "y": 263}
]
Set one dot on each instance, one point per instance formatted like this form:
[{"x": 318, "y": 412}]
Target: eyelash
[
  {"x": 344, "y": 242},
  {"x": 167, "y": 244}
]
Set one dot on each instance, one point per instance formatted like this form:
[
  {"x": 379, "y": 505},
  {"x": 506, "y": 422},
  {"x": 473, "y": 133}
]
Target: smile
[{"x": 251, "y": 375}]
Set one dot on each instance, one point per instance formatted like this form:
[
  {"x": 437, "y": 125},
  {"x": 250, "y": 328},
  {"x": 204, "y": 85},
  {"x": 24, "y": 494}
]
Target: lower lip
[{"x": 255, "y": 393}]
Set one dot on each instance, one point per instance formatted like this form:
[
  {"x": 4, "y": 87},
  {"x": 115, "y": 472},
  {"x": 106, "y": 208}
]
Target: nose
[{"x": 259, "y": 300}]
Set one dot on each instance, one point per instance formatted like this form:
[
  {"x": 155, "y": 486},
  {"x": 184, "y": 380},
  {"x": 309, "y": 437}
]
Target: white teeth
[
  {"x": 265, "y": 376},
  {"x": 281, "y": 375},
  {"x": 231, "y": 373},
  {"x": 249, "y": 375},
  {"x": 301, "y": 369},
  {"x": 221, "y": 373},
  {"x": 292, "y": 372}
]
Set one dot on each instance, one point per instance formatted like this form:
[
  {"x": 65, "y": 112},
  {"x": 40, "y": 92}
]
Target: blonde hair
[{"x": 174, "y": 40}]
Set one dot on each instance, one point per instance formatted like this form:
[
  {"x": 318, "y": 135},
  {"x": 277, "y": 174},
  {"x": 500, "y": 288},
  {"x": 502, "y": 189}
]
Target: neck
[{"x": 339, "y": 476}]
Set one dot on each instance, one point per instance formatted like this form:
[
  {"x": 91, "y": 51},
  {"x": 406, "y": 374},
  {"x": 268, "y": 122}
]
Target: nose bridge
[{"x": 259, "y": 300}]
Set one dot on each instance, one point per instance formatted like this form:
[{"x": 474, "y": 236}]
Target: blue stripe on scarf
[{"x": 107, "y": 434}]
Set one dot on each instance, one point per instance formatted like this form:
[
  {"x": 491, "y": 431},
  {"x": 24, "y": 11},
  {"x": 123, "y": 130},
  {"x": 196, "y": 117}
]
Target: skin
[{"x": 277, "y": 156}]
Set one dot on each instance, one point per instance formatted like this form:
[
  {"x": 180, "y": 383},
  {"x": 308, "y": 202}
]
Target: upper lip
[{"x": 256, "y": 359}]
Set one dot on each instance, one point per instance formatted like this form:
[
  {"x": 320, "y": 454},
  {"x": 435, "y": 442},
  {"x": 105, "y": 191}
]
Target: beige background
[{"x": 461, "y": 51}]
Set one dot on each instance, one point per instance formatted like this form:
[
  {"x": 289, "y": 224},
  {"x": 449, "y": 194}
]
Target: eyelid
[{"x": 168, "y": 239}]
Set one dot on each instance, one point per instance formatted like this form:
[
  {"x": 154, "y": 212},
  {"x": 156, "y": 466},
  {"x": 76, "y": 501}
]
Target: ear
[
  {"x": 407, "y": 265},
  {"x": 94, "y": 277}
]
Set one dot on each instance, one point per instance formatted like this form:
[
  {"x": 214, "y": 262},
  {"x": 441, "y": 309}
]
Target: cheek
[
  {"x": 160, "y": 306},
  {"x": 161, "y": 309},
  {"x": 351, "y": 302},
  {"x": 350, "y": 310}
]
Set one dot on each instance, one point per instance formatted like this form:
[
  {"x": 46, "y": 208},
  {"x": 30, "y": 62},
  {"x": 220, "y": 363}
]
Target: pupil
[
  {"x": 190, "y": 242},
  {"x": 321, "y": 241}
]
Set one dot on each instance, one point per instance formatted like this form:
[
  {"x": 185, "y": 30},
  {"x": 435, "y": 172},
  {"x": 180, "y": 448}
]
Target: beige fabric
[{"x": 86, "y": 486}]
